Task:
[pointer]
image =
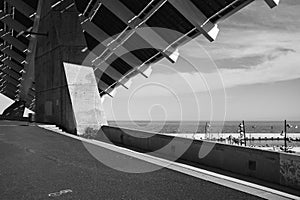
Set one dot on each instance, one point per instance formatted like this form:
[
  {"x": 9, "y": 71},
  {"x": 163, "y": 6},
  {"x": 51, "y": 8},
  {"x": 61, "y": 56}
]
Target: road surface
[{"x": 37, "y": 164}]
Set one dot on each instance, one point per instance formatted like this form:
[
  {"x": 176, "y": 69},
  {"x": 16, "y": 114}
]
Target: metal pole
[
  {"x": 244, "y": 132},
  {"x": 35, "y": 33},
  {"x": 285, "y": 128},
  {"x": 206, "y": 130}
]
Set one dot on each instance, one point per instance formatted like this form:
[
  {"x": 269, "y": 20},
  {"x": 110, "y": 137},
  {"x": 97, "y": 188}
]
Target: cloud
[
  {"x": 279, "y": 68},
  {"x": 279, "y": 64},
  {"x": 258, "y": 16},
  {"x": 243, "y": 62},
  {"x": 280, "y": 52},
  {"x": 253, "y": 60},
  {"x": 250, "y": 37},
  {"x": 256, "y": 45},
  {"x": 291, "y": 2},
  {"x": 247, "y": 43}
]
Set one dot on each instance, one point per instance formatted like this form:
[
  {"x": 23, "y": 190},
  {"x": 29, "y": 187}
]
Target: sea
[{"x": 192, "y": 127}]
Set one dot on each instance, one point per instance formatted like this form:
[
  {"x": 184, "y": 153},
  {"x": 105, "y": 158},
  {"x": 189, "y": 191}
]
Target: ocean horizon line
[{"x": 201, "y": 120}]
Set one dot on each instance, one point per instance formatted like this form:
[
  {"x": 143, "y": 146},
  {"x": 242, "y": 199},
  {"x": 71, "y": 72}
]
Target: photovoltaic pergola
[{"x": 124, "y": 37}]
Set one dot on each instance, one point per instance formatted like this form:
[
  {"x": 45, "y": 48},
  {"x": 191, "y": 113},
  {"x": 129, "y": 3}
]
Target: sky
[{"x": 251, "y": 72}]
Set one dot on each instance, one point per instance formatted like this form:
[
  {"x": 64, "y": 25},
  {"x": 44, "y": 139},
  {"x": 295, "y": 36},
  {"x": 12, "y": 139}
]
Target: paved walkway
[{"x": 39, "y": 164}]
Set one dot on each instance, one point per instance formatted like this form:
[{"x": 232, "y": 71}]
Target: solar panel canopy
[{"x": 123, "y": 37}]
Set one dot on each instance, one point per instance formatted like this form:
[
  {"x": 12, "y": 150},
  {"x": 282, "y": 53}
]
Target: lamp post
[
  {"x": 207, "y": 133},
  {"x": 285, "y": 128},
  {"x": 253, "y": 127},
  {"x": 242, "y": 131}
]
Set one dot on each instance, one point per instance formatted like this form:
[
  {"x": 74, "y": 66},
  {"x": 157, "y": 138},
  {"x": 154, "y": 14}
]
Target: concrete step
[
  {"x": 52, "y": 128},
  {"x": 47, "y": 126}
]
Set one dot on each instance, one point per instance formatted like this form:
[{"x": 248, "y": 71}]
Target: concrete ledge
[{"x": 277, "y": 168}]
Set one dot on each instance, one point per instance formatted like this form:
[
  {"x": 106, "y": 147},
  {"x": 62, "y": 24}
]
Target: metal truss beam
[
  {"x": 11, "y": 87},
  {"x": 11, "y": 94},
  {"x": 14, "y": 41},
  {"x": 14, "y": 24},
  {"x": 112, "y": 72},
  {"x": 197, "y": 18},
  {"x": 17, "y": 57},
  {"x": 101, "y": 84},
  {"x": 2, "y": 32},
  {"x": 63, "y": 5},
  {"x": 11, "y": 73},
  {"x": 148, "y": 34},
  {"x": 11, "y": 80},
  {"x": 102, "y": 37},
  {"x": 22, "y": 7},
  {"x": 272, "y": 3},
  {"x": 12, "y": 64}
]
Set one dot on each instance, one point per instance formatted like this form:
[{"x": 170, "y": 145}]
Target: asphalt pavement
[{"x": 37, "y": 164}]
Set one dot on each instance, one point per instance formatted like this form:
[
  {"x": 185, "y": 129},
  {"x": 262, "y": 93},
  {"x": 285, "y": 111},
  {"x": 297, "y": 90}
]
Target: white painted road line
[{"x": 229, "y": 182}]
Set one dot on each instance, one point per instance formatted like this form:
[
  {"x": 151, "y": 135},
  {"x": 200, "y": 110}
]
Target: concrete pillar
[
  {"x": 54, "y": 94},
  {"x": 27, "y": 81},
  {"x": 85, "y": 98}
]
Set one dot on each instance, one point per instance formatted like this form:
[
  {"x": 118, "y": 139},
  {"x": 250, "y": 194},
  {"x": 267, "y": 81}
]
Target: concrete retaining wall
[
  {"x": 279, "y": 168},
  {"x": 290, "y": 170}
]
